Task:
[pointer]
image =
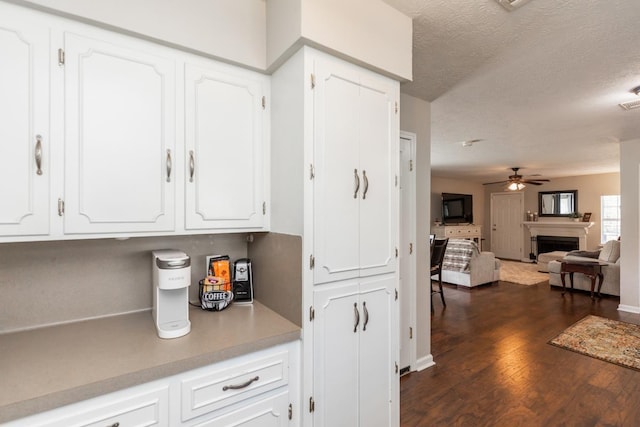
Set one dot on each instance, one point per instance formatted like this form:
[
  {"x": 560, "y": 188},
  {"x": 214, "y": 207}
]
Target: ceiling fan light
[
  {"x": 521, "y": 186},
  {"x": 513, "y": 186}
]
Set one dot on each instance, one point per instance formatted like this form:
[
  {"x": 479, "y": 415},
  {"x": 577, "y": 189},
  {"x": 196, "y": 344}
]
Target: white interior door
[
  {"x": 507, "y": 212},
  {"x": 407, "y": 261}
]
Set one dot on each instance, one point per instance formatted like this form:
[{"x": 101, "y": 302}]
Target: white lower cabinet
[
  {"x": 208, "y": 390},
  {"x": 355, "y": 374},
  {"x": 258, "y": 390},
  {"x": 269, "y": 411},
  {"x": 140, "y": 406}
]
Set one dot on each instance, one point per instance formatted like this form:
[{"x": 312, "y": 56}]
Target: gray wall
[
  {"x": 43, "y": 283},
  {"x": 630, "y": 241},
  {"x": 446, "y": 185},
  {"x": 415, "y": 117},
  {"x": 590, "y": 188}
]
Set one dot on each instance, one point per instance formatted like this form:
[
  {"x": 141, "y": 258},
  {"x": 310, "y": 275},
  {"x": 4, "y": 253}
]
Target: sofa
[
  {"x": 465, "y": 265},
  {"x": 609, "y": 254}
]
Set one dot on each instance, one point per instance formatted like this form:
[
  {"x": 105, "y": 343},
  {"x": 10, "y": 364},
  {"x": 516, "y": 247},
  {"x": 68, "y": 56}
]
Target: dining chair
[{"x": 438, "y": 250}]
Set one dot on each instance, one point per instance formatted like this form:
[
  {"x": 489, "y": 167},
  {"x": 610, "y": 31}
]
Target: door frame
[{"x": 408, "y": 290}]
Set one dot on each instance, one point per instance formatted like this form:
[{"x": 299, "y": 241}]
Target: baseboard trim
[
  {"x": 424, "y": 363},
  {"x": 629, "y": 308}
]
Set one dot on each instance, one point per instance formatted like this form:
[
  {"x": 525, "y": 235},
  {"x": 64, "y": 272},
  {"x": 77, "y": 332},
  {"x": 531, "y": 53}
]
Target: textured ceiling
[{"x": 539, "y": 85}]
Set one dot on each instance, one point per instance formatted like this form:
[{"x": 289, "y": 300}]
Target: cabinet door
[
  {"x": 141, "y": 406},
  {"x": 378, "y": 346},
  {"x": 119, "y": 135},
  {"x": 24, "y": 133},
  {"x": 335, "y": 355},
  {"x": 378, "y": 138},
  {"x": 271, "y": 411},
  {"x": 224, "y": 147},
  {"x": 338, "y": 179}
]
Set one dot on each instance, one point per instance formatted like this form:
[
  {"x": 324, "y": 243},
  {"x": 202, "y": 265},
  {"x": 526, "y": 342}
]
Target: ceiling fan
[{"x": 517, "y": 181}]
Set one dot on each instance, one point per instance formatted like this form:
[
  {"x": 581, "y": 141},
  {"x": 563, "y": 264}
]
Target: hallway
[{"x": 495, "y": 368}]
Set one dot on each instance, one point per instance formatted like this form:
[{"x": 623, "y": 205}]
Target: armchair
[
  {"x": 465, "y": 265},
  {"x": 609, "y": 254}
]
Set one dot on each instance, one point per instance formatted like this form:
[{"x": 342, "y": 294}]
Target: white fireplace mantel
[{"x": 562, "y": 229}]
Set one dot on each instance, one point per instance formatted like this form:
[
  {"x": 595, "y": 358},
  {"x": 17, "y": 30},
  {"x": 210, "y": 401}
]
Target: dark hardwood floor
[{"x": 495, "y": 368}]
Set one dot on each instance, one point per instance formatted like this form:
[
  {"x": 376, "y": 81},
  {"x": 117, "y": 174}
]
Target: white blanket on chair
[{"x": 458, "y": 254}]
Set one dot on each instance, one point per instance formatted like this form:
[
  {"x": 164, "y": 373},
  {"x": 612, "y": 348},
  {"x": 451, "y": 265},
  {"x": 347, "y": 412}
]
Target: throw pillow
[{"x": 610, "y": 251}]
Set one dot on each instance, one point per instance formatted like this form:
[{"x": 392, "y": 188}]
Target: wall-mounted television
[{"x": 457, "y": 208}]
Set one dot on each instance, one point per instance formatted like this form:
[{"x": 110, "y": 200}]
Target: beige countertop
[{"x": 45, "y": 368}]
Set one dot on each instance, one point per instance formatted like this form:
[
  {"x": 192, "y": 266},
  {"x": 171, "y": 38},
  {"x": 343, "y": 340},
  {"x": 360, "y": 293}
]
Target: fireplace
[
  {"x": 556, "y": 243},
  {"x": 565, "y": 235}
]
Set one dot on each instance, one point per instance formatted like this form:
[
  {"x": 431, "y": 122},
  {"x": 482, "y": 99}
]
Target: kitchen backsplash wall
[
  {"x": 276, "y": 261},
  {"x": 43, "y": 283}
]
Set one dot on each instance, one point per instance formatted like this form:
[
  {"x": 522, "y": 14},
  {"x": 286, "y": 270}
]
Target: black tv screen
[{"x": 457, "y": 208}]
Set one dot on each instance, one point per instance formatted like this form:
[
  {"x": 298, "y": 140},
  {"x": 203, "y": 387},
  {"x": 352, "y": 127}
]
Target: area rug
[
  {"x": 522, "y": 273},
  {"x": 605, "y": 339}
]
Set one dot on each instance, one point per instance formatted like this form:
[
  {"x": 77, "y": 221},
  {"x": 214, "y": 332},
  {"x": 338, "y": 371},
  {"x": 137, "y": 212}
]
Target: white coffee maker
[{"x": 171, "y": 280}]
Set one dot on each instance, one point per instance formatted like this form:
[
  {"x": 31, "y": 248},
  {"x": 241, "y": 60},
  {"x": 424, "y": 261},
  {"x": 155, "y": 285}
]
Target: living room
[{"x": 590, "y": 189}]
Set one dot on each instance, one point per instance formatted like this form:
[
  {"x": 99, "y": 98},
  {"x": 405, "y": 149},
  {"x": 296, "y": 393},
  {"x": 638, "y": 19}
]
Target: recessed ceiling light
[{"x": 512, "y": 4}]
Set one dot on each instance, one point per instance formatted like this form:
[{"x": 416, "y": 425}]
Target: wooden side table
[{"x": 591, "y": 269}]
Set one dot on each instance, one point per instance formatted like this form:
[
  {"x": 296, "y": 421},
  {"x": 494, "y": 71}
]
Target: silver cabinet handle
[
  {"x": 38, "y": 154},
  {"x": 169, "y": 165},
  {"x": 366, "y": 315},
  {"x": 192, "y": 165},
  {"x": 243, "y": 385},
  {"x": 357, "y": 314},
  {"x": 357, "y": 182},
  {"x": 366, "y": 184}
]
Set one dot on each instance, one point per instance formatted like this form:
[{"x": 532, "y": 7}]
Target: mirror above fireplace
[{"x": 557, "y": 203}]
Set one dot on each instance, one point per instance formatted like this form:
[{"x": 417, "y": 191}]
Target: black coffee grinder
[{"x": 242, "y": 281}]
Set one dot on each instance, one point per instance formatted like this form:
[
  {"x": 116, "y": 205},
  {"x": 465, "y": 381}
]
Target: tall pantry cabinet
[{"x": 335, "y": 133}]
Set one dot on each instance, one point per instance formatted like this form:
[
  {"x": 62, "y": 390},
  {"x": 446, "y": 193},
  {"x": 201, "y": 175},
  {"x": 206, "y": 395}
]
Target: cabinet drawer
[
  {"x": 211, "y": 391},
  {"x": 272, "y": 411},
  {"x": 139, "y": 410}
]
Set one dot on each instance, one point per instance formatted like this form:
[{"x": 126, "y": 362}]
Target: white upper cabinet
[
  {"x": 355, "y": 158},
  {"x": 119, "y": 136},
  {"x": 24, "y": 132},
  {"x": 225, "y": 132},
  {"x": 108, "y": 135}
]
